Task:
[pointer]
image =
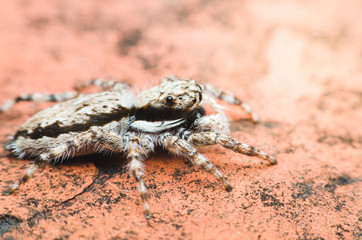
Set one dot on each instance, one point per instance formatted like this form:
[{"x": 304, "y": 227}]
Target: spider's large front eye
[{"x": 169, "y": 100}]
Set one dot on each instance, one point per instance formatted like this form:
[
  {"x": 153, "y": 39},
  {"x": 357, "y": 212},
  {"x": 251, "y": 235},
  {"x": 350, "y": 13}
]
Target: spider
[{"x": 170, "y": 115}]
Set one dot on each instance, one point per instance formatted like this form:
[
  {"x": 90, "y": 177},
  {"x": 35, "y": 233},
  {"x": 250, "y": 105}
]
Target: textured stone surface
[{"x": 298, "y": 63}]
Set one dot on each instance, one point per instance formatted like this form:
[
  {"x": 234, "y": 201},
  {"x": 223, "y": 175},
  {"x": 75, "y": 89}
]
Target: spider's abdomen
[
  {"x": 76, "y": 115},
  {"x": 72, "y": 125}
]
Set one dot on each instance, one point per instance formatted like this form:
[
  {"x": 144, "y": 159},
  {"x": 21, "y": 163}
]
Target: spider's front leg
[
  {"x": 181, "y": 147},
  {"x": 210, "y": 138}
]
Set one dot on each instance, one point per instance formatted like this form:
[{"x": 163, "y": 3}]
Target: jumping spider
[{"x": 170, "y": 115}]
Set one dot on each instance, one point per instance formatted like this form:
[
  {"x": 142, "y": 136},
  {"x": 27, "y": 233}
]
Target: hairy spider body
[{"x": 170, "y": 115}]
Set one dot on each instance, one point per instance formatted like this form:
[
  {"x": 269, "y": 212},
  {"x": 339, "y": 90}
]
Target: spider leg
[
  {"x": 40, "y": 160},
  {"x": 60, "y": 151},
  {"x": 59, "y": 97},
  {"x": 38, "y": 97},
  {"x": 115, "y": 85},
  {"x": 182, "y": 147},
  {"x": 138, "y": 149},
  {"x": 220, "y": 115},
  {"x": 210, "y": 138},
  {"x": 230, "y": 98},
  {"x": 29, "y": 172}
]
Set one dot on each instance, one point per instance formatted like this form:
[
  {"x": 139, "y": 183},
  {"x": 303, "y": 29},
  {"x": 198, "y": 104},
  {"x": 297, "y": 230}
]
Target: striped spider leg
[
  {"x": 230, "y": 98},
  {"x": 112, "y": 85}
]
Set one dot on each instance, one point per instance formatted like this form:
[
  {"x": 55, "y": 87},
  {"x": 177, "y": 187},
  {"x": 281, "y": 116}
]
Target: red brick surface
[{"x": 299, "y": 65}]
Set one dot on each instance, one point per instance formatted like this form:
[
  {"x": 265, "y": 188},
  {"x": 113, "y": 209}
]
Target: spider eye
[
  {"x": 169, "y": 100},
  {"x": 194, "y": 100}
]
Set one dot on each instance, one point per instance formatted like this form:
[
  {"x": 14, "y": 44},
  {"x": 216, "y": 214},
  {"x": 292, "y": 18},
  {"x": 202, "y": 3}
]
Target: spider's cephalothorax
[{"x": 170, "y": 115}]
